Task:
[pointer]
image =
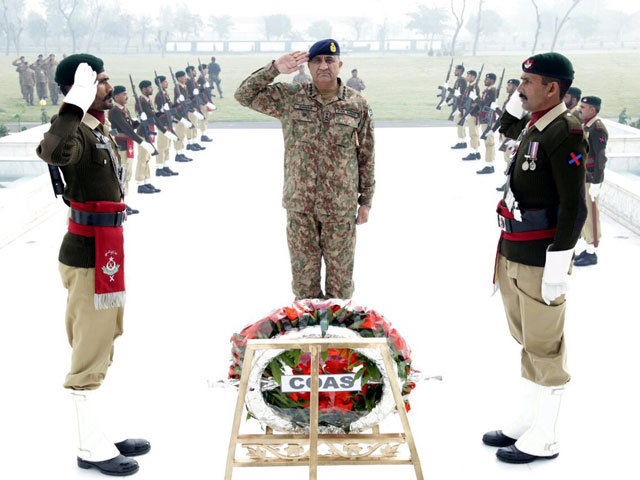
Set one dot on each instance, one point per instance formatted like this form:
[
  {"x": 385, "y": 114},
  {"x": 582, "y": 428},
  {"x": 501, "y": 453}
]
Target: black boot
[
  {"x": 501, "y": 188},
  {"x": 511, "y": 454},
  {"x": 197, "y": 146},
  {"x": 119, "y": 466},
  {"x": 459, "y": 145},
  {"x": 170, "y": 172},
  {"x": 182, "y": 158},
  {"x": 204, "y": 138},
  {"x": 472, "y": 156},
  {"x": 161, "y": 172},
  {"x": 132, "y": 447},
  {"x": 586, "y": 260},
  {"x": 485, "y": 170},
  {"x": 152, "y": 188},
  {"x": 190, "y": 147},
  {"x": 145, "y": 189},
  {"x": 497, "y": 439}
]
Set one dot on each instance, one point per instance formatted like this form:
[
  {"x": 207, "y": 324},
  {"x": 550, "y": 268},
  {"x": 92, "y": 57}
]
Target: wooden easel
[{"x": 269, "y": 449}]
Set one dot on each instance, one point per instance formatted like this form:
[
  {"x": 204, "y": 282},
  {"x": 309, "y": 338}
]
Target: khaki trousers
[
  {"x": 462, "y": 133},
  {"x": 538, "y": 327},
  {"x": 128, "y": 168},
  {"x": 91, "y": 332},
  {"x": 42, "y": 90},
  {"x": 474, "y": 134},
  {"x": 193, "y": 131},
  {"x": 204, "y": 123},
  {"x": 163, "y": 145},
  {"x": 54, "y": 92},
  {"x": 490, "y": 148},
  {"x": 142, "y": 168},
  {"x": 587, "y": 229},
  {"x": 310, "y": 238},
  {"x": 181, "y": 133}
]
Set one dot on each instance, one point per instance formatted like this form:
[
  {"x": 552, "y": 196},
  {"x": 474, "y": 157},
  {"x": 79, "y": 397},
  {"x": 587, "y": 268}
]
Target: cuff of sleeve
[
  {"x": 364, "y": 201},
  {"x": 272, "y": 69}
]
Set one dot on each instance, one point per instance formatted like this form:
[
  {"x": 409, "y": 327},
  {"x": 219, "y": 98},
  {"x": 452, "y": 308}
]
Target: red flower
[
  {"x": 407, "y": 407},
  {"x": 335, "y": 308},
  {"x": 292, "y": 313}
]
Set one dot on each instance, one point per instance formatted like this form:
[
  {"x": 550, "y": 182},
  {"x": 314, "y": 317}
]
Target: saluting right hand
[
  {"x": 85, "y": 86},
  {"x": 289, "y": 62}
]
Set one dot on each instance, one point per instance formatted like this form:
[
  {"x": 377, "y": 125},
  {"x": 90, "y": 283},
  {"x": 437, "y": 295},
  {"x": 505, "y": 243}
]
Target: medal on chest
[{"x": 531, "y": 156}]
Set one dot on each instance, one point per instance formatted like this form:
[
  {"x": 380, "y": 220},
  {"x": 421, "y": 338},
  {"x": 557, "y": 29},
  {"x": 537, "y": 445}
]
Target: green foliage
[{"x": 4, "y": 131}]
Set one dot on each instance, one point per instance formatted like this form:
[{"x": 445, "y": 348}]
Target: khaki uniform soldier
[
  {"x": 207, "y": 102},
  {"x": 329, "y": 164},
  {"x": 91, "y": 255},
  {"x": 506, "y": 144},
  {"x": 572, "y": 101},
  {"x": 541, "y": 214},
  {"x": 41, "y": 78},
  {"x": 355, "y": 82},
  {"x": 301, "y": 76},
  {"x": 51, "y": 64},
  {"x": 456, "y": 94},
  {"x": 147, "y": 128},
  {"x": 598, "y": 136},
  {"x": 166, "y": 133},
  {"x": 27, "y": 78},
  {"x": 168, "y": 115},
  {"x": 472, "y": 121},
  {"x": 183, "y": 108},
  {"x": 214, "y": 74},
  {"x": 195, "y": 115},
  {"x": 486, "y": 108}
]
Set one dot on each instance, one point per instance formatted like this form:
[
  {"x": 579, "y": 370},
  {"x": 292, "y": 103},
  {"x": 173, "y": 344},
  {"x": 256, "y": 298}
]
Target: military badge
[
  {"x": 531, "y": 156},
  {"x": 333, "y": 47},
  {"x": 574, "y": 159},
  {"x": 528, "y": 64},
  {"x": 110, "y": 269}
]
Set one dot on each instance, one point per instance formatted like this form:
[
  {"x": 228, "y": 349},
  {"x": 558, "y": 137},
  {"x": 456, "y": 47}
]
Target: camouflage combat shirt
[{"x": 329, "y": 146}]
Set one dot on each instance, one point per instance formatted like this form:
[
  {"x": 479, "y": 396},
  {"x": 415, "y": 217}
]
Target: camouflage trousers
[{"x": 312, "y": 238}]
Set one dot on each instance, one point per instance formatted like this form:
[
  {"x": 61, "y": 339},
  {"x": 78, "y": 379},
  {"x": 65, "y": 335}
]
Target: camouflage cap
[
  {"x": 66, "y": 70},
  {"x": 551, "y": 64}
]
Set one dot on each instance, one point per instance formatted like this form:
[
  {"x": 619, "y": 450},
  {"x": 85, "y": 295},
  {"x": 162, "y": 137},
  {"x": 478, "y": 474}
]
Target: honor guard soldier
[
  {"x": 472, "y": 92},
  {"x": 166, "y": 134},
  {"x": 207, "y": 104},
  {"x": 51, "y": 65},
  {"x": 183, "y": 108},
  {"x": 146, "y": 130},
  {"x": 91, "y": 255},
  {"x": 485, "y": 115},
  {"x": 169, "y": 117},
  {"x": 572, "y": 101},
  {"x": 329, "y": 164},
  {"x": 355, "y": 82},
  {"x": 214, "y": 74},
  {"x": 597, "y": 135},
  {"x": 541, "y": 215},
  {"x": 506, "y": 144},
  {"x": 302, "y": 76},
  {"x": 195, "y": 115},
  {"x": 458, "y": 89}
]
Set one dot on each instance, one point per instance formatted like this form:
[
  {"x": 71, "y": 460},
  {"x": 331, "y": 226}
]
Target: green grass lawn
[{"x": 399, "y": 87}]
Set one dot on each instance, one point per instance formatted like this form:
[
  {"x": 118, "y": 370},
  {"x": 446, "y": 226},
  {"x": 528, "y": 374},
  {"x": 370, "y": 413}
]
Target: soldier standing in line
[
  {"x": 170, "y": 118},
  {"x": 506, "y": 144},
  {"x": 301, "y": 76},
  {"x": 165, "y": 134},
  {"x": 597, "y": 135},
  {"x": 195, "y": 115},
  {"x": 472, "y": 124},
  {"x": 355, "y": 82},
  {"x": 21, "y": 67},
  {"x": 457, "y": 91},
  {"x": 91, "y": 258},
  {"x": 486, "y": 107},
  {"x": 214, "y": 74},
  {"x": 183, "y": 108},
  {"x": 572, "y": 101},
  {"x": 146, "y": 128},
  {"x": 51, "y": 65},
  {"x": 541, "y": 214},
  {"x": 41, "y": 77},
  {"x": 329, "y": 164},
  {"x": 203, "y": 86}
]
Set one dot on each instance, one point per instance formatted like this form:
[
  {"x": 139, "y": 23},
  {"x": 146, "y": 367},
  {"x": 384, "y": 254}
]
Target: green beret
[
  {"x": 575, "y": 92},
  {"x": 492, "y": 76},
  {"x": 324, "y": 47},
  {"x": 180, "y": 73},
  {"x": 144, "y": 84},
  {"x": 593, "y": 101},
  {"x": 66, "y": 70},
  {"x": 160, "y": 79},
  {"x": 118, "y": 89},
  {"x": 549, "y": 64},
  {"x": 189, "y": 69},
  {"x": 513, "y": 81}
]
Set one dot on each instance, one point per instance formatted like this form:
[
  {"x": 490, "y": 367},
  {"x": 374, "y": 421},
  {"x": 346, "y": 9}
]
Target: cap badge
[
  {"x": 528, "y": 64},
  {"x": 332, "y": 47}
]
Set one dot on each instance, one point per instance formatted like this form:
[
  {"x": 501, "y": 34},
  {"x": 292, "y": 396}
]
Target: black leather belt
[
  {"x": 532, "y": 220},
  {"x": 95, "y": 219}
]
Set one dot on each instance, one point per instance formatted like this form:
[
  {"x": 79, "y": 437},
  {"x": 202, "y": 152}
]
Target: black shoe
[
  {"x": 511, "y": 454},
  {"x": 131, "y": 211},
  {"x": 119, "y": 466},
  {"x": 170, "y": 172},
  {"x": 501, "y": 188},
  {"x": 145, "y": 189},
  {"x": 586, "y": 260},
  {"x": 485, "y": 170},
  {"x": 161, "y": 172},
  {"x": 204, "y": 138},
  {"x": 132, "y": 447},
  {"x": 497, "y": 439},
  {"x": 154, "y": 189},
  {"x": 190, "y": 147},
  {"x": 580, "y": 255},
  {"x": 197, "y": 146},
  {"x": 181, "y": 158},
  {"x": 472, "y": 156},
  {"x": 459, "y": 145}
]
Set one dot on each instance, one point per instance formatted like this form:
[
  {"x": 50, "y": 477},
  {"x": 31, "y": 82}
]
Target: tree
[
  {"x": 12, "y": 22},
  {"x": 358, "y": 24},
  {"x": 558, "y": 26},
  {"x": 459, "y": 23},
  {"x": 427, "y": 21},
  {"x": 277, "y": 26},
  {"x": 186, "y": 22},
  {"x": 164, "y": 29},
  {"x": 320, "y": 29},
  {"x": 95, "y": 9},
  {"x": 538, "y": 26},
  {"x": 142, "y": 25},
  {"x": 478, "y": 27},
  {"x": 221, "y": 26},
  {"x": 38, "y": 29},
  {"x": 68, "y": 8}
]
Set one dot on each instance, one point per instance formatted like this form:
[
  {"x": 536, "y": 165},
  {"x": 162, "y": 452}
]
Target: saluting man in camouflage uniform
[
  {"x": 541, "y": 214},
  {"x": 51, "y": 65},
  {"x": 41, "y": 77},
  {"x": 328, "y": 165}
]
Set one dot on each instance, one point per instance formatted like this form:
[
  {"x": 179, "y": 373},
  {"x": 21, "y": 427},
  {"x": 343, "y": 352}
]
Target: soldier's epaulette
[{"x": 576, "y": 131}]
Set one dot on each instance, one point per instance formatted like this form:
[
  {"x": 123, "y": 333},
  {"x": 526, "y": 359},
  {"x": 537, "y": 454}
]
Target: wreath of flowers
[{"x": 343, "y": 409}]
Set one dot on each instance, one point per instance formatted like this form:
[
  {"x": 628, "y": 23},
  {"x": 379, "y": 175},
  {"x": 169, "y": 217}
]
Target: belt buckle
[
  {"x": 119, "y": 218},
  {"x": 501, "y": 222}
]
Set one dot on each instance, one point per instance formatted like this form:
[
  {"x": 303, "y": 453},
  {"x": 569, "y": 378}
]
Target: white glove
[
  {"x": 165, "y": 107},
  {"x": 511, "y": 143},
  {"x": 181, "y": 98},
  {"x": 147, "y": 146},
  {"x": 143, "y": 117},
  {"x": 186, "y": 122},
  {"x": 211, "y": 106},
  {"x": 555, "y": 274},
  {"x": 473, "y": 95},
  {"x": 514, "y": 106},
  {"x": 494, "y": 106},
  {"x": 206, "y": 85},
  {"x": 198, "y": 115},
  {"x": 196, "y": 91},
  {"x": 445, "y": 85},
  {"x": 85, "y": 86},
  {"x": 594, "y": 190},
  {"x": 170, "y": 136},
  {"x": 456, "y": 93}
]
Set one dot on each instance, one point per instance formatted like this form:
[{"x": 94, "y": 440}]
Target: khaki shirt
[{"x": 329, "y": 146}]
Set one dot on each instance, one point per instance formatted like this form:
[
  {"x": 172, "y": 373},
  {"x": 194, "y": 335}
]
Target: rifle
[
  {"x": 196, "y": 98},
  {"x": 167, "y": 113},
  {"x": 467, "y": 103},
  {"x": 184, "y": 107},
  {"x": 494, "y": 113},
  {"x": 443, "y": 89},
  {"x": 144, "y": 123},
  {"x": 452, "y": 100},
  {"x": 209, "y": 89}
]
